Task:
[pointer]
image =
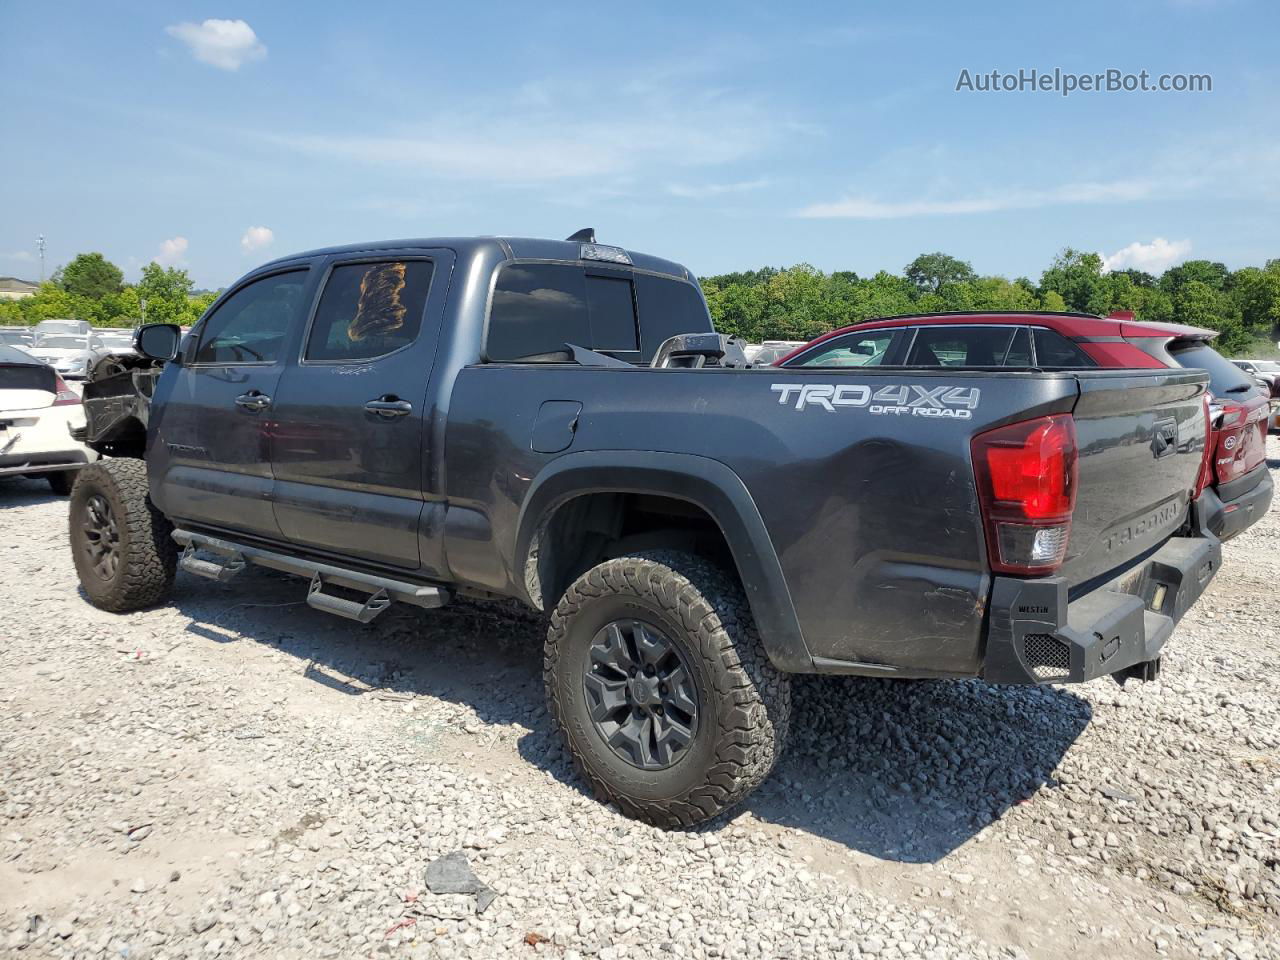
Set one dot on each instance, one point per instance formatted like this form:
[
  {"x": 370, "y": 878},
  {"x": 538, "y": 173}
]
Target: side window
[
  {"x": 1019, "y": 354},
  {"x": 668, "y": 307},
  {"x": 251, "y": 325},
  {"x": 1055, "y": 350},
  {"x": 368, "y": 310},
  {"x": 611, "y": 304},
  {"x": 854, "y": 350},
  {"x": 960, "y": 346}
]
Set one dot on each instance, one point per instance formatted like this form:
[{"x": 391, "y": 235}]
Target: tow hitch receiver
[{"x": 1144, "y": 670}]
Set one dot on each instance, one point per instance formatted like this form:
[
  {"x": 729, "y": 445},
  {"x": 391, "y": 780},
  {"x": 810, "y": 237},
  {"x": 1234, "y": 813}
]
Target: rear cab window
[{"x": 538, "y": 309}]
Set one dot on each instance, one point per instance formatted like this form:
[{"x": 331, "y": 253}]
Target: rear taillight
[
  {"x": 64, "y": 395},
  {"x": 1026, "y": 475}
]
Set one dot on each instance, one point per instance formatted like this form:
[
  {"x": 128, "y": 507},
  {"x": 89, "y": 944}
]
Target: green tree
[
  {"x": 930, "y": 272},
  {"x": 164, "y": 294},
  {"x": 90, "y": 275},
  {"x": 1075, "y": 276}
]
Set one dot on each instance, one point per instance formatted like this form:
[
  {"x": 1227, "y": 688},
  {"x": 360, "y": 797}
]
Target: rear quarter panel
[{"x": 872, "y": 512}]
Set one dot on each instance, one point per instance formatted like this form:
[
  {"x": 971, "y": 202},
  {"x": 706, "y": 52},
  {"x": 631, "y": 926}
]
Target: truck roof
[{"x": 515, "y": 248}]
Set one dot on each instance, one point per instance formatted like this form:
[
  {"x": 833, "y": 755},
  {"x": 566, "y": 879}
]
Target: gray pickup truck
[{"x": 557, "y": 422}]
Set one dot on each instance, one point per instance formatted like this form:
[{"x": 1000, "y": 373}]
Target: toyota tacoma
[{"x": 558, "y": 422}]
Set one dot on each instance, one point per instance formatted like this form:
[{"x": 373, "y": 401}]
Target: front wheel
[
  {"x": 662, "y": 688},
  {"x": 121, "y": 544}
]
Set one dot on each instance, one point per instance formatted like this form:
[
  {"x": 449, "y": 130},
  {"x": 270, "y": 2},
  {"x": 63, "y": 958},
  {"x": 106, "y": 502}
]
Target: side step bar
[{"x": 231, "y": 558}]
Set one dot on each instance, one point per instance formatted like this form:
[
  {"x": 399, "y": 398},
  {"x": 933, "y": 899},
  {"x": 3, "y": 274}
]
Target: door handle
[
  {"x": 389, "y": 406},
  {"x": 253, "y": 400}
]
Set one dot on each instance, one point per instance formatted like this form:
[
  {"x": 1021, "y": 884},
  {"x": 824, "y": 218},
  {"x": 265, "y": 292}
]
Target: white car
[
  {"x": 37, "y": 412},
  {"x": 49, "y": 327},
  {"x": 71, "y": 355}
]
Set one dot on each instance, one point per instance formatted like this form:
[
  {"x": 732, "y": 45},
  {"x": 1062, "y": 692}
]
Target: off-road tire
[
  {"x": 744, "y": 702},
  {"x": 61, "y": 481},
  {"x": 148, "y": 557}
]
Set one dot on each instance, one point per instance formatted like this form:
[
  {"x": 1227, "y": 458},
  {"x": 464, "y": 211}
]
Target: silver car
[{"x": 70, "y": 355}]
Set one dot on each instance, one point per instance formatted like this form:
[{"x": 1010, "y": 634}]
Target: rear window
[
  {"x": 611, "y": 307},
  {"x": 537, "y": 309},
  {"x": 668, "y": 307},
  {"x": 1224, "y": 376},
  {"x": 25, "y": 377}
]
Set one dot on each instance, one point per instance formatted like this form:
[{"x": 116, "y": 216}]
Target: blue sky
[{"x": 725, "y": 135}]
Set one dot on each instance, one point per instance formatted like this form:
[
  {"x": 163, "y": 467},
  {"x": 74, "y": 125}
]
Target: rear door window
[
  {"x": 250, "y": 326},
  {"x": 940, "y": 346},
  {"x": 368, "y": 310}
]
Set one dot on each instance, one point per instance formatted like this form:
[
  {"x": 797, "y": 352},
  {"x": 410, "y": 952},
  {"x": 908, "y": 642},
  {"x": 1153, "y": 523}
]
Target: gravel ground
[{"x": 238, "y": 775}]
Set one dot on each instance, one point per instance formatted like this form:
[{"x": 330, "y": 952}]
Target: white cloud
[
  {"x": 255, "y": 238},
  {"x": 562, "y": 133},
  {"x": 1071, "y": 194},
  {"x": 1154, "y": 257},
  {"x": 172, "y": 252},
  {"x": 704, "y": 190},
  {"x": 24, "y": 256},
  {"x": 225, "y": 44}
]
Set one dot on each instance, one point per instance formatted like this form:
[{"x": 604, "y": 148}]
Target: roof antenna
[{"x": 585, "y": 235}]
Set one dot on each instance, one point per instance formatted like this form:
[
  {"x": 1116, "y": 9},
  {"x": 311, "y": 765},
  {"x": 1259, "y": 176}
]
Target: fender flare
[{"x": 703, "y": 482}]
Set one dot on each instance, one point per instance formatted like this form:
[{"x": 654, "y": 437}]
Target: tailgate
[{"x": 1141, "y": 439}]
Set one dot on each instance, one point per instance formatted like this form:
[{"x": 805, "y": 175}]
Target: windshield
[
  {"x": 1225, "y": 378},
  {"x": 63, "y": 343},
  {"x": 1267, "y": 366}
]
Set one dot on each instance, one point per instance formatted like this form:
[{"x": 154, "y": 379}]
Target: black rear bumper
[
  {"x": 1037, "y": 635},
  {"x": 1234, "y": 507}
]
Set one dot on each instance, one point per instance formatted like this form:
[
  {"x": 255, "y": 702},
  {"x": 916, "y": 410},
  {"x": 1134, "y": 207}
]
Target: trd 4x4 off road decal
[{"x": 901, "y": 399}]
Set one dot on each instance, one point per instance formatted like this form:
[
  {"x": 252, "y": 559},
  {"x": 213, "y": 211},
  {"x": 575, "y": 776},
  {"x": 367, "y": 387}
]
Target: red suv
[{"x": 1237, "y": 485}]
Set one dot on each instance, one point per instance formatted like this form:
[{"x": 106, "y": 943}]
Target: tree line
[
  {"x": 801, "y": 302},
  {"x": 792, "y": 303},
  {"x": 92, "y": 288}
]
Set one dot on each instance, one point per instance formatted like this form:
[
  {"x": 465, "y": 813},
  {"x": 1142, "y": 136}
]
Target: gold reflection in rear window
[{"x": 380, "y": 310}]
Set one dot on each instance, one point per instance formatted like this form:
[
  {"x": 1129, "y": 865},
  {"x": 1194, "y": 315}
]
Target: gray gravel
[{"x": 238, "y": 775}]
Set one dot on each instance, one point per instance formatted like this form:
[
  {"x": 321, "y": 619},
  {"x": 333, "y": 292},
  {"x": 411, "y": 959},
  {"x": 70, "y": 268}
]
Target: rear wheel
[
  {"x": 662, "y": 688},
  {"x": 61, "y": 481},
  {"x": 122, "y": 548}
]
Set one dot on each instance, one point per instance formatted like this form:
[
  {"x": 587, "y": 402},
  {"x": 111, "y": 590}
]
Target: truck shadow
[{"x": 900, "y": 770}]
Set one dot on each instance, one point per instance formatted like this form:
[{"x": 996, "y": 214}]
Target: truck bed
[{"x": 866, "y": 491}]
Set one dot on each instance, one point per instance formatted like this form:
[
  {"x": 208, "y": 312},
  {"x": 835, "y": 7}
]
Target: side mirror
[{"x": 158, "y": 341}]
